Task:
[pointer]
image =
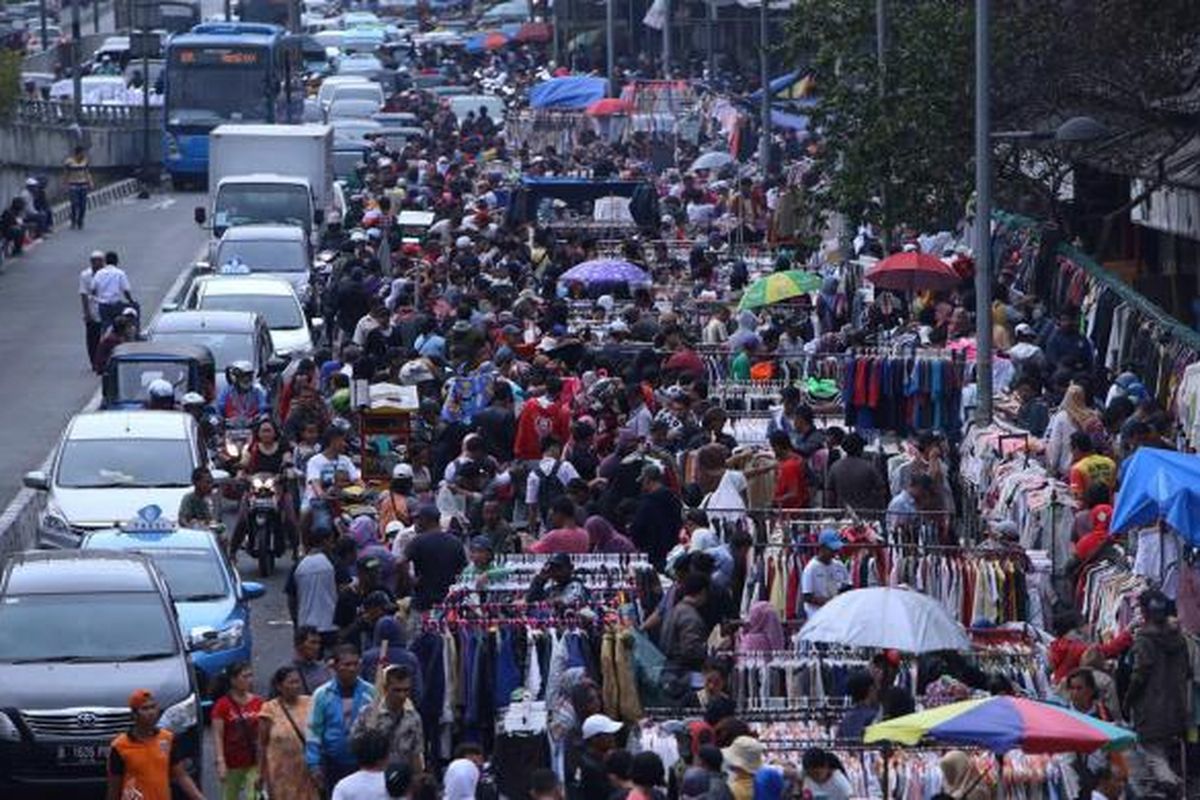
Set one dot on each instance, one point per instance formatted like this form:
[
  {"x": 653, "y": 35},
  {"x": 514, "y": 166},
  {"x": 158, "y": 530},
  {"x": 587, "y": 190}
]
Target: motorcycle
[
  {"x": 266, "y": 538},
  {"x": 229, "y": 455}
]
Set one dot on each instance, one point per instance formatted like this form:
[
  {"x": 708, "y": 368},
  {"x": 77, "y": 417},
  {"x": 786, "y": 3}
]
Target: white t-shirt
[
  {"x": 822, "y": 581},
  {"x": 321, "y": 468},
  {"x": 836, "y": 788},
  {"x": 362, "y": 785},
  {"x": 110, "y": 284},
  {"x": 85, "y": 288},
  {"x": 566, "y": 474}
]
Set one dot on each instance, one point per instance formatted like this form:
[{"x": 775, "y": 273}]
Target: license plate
[{"x": 82, "y": 754}]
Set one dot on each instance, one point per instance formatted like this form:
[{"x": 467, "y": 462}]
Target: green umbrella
[{"x": 779, "y": 286}]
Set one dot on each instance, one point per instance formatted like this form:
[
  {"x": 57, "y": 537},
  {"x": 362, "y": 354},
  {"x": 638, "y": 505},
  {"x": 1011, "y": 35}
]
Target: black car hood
[{"x": 33, "y": 687}]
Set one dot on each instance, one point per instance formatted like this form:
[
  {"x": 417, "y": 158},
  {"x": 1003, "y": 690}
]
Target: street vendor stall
[{"x": 384, "y": 426}]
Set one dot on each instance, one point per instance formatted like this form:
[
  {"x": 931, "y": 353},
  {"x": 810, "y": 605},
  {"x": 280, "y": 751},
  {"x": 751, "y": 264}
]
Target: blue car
[{"x": 211, "y": 600}]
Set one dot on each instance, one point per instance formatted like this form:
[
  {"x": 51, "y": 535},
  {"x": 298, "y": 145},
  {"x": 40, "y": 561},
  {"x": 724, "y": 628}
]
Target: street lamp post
[
  {"x": 983, "y": 219},
  {"x": 42, "y": 19},
  {"x": 76, "y": 66},
  {"x": 666, "y": 40},
  {"x": 764, "y": 109},
  {"x": 610, "y": 45}
]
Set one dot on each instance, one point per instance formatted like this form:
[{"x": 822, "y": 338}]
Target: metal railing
[{"x": 59, "y": 112}]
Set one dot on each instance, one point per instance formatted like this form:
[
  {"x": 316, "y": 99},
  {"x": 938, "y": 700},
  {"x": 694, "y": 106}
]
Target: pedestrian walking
[
  {"x": 144, "y": 761},
  {"x": 91, "y": 309},
  {"x": 281, "y": 722},
  {"x": 110, "y": 287},
  {"x": 235, "y": 734},
  {"x": 335, "y": 708},
  {"x": 79, "y": 183}
]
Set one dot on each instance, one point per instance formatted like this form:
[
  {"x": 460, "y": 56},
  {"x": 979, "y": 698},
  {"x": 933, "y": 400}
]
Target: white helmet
[
  {"x": 192, "y": 399},
  {"x": 160, "y": 389}
]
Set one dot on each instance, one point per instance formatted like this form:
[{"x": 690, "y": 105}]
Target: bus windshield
[{"x": 215, "y": 84}]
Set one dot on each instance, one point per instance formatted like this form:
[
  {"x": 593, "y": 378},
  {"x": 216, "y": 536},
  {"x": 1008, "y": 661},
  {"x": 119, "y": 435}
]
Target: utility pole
[
  {"x": 666, "y": 40},
  {"x": 76, "y": 66},
  {"x": 764, "y": 137},
  {"x": 611, "y": 49},
  {"x": 710, "y": 40},
  {"x": 96, "y": 16},
  {"x": 42, "y": 18},
  {"x": 881, "y": 62},
  {"x": 983, "y": 218}
]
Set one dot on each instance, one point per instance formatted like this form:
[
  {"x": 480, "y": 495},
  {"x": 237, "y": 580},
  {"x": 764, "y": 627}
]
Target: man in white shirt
[
  {"x": 110, "y": 288},
  {"x": 824, "y": 577},
  {"x": 565, "y": 470},
  {"x": 369, "y": 782},
  {"x": 91, "y": 311},
  {"x": 322, "y": 466}
]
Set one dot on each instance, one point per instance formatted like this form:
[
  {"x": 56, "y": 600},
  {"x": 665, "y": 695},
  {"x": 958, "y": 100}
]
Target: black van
[{"x": 79, "y": 631}]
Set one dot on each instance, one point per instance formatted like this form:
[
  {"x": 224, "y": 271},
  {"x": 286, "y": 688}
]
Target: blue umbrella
[
  {"x": 606, "y": 270},
  {"x": 1160, "y": 485}
]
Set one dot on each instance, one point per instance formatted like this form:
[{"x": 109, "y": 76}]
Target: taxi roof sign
[{"x": 149, "y": 519}]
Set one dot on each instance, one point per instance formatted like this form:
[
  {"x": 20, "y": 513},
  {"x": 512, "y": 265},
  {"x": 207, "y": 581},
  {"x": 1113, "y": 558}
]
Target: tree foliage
[{"x": 906, "y": 157}]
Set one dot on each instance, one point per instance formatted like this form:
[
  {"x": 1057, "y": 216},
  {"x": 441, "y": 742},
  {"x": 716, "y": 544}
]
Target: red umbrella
[
  {"x": 534, "y": 32},
  {"x": 912, "y": 272},
  {"x": 494, "y": 41},
  {"x": 608, "y": 106}
]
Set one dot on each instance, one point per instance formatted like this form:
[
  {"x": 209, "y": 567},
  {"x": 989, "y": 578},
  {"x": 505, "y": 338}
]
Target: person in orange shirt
[
  {"x": 144, "y": 761},
  {"x": 1089, "y": 467},
  {"x": 791, "y": 480}
]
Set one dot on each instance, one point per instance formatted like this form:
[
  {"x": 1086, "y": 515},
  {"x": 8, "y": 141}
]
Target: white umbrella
[
  {"x": 711, "y": 160},
  {"x": 886, "y": 618}
]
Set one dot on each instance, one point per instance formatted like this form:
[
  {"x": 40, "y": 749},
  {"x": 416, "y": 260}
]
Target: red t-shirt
[
  {"x": 562, "y": 540},
  {"x": 240, "y": 739},
  {"x": 791, "y": 483}
]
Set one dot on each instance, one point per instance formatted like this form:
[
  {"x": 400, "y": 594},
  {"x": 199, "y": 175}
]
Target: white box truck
[{"x": 269, "y": 175}]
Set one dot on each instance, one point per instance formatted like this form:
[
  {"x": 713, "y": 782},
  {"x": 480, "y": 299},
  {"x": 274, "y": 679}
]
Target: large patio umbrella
[
  {"x": 779, "y": 286},
  {"x": 886, "y": 618},
  {"x": 1160, "y": 485},
  {"x": 608, "y": 271},
  {"x": 913, "y": 272},
  {"x": 1004, "y": 723}
]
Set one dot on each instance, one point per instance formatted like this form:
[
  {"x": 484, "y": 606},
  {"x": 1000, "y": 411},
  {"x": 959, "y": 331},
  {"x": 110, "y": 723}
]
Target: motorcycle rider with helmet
[{"x": 241, "y": 401}]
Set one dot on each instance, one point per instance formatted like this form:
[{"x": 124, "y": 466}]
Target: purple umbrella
[{"x": 606, "y": 270}]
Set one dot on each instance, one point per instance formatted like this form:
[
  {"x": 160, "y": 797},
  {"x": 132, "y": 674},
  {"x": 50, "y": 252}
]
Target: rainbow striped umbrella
[{"x": 1002, "y": 723}]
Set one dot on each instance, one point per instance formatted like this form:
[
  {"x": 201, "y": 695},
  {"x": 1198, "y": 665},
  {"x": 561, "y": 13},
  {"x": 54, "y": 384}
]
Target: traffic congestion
[{"x": 514, "y": 429}]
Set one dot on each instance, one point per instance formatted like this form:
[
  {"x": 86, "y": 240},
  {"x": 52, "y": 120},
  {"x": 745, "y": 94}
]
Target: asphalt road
[{"x": 42, "y": 339}]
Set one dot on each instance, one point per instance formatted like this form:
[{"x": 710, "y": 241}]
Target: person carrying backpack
[{"x": 548, "y": 481}]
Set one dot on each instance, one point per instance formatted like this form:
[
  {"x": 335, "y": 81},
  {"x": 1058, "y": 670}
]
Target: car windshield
[
  {"x": 50, "y": 627},
  {"x": 264, "y": 256},
  {"x": 362, "y": 92},
  {"x": 211, "y": 86},
  {"x": 262, "y": 203},
  {"x": 191, "y": 574},
  {"x": 225, "y": 347},
  {"x": 125, "y": 464},
  {"x": 279, "y": 311},
  {"x": 134, "y": 378},
  {"x": 352, "y": 109},
  {"x": 345, "y": 162}
]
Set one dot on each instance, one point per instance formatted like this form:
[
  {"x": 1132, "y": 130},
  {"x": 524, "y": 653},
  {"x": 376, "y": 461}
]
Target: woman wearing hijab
[
  {"x": 763, "y": 632},
  {"x": 1072, "y": 416},
  {"x": 603, "y": 537},
  {"x": 462, "y": 776}
]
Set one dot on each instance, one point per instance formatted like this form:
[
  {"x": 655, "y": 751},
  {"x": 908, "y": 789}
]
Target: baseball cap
[
  {"x": 402, "y": 471},
  {"x": 831, "y": 539},
  {"x": 394, "y": 527},
  {"x": 1024, "y": 329},
  {"x": 482, "y": 542},
  {"x": 379, "y": 599},
  {"x": 598, "y": 724},
  {"x": 139, "y": 697}
]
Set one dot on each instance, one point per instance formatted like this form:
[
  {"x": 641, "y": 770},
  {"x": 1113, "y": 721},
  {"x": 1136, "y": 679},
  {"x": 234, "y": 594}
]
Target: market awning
[{"x": 569, "y": 91}]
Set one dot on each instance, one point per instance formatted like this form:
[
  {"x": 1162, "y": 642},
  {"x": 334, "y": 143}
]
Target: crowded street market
[{"x": 597, "y": 467}]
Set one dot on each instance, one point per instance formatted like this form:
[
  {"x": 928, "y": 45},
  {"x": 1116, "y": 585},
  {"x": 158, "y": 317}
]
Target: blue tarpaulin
[
  {"x": 791, "y": 122},
  {"x": 571, "y": 91},
  {"x": 783, "y": 85},
  {"x": 1160, "y": 485}
]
